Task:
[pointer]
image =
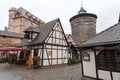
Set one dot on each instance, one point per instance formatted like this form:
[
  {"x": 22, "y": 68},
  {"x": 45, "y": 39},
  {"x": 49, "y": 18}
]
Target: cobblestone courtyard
[{"x": 52, "y": 73}]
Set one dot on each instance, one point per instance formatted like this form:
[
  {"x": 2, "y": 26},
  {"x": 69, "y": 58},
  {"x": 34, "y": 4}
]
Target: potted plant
[{"x": 36, "y": 61}]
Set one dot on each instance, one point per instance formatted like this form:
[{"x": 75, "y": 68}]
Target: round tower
[
  {"x": 12, "y": 12},
  {"x": 83, "y": 26}
]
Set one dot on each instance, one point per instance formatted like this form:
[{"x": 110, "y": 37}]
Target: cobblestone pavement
[{"x": 65, "y": 72}]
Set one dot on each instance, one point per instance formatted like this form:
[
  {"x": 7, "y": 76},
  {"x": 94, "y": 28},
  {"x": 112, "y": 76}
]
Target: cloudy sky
[{"x": 47, "y": 10}]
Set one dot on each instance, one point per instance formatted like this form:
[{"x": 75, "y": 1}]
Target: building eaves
[{"x": 11, "y": 34}]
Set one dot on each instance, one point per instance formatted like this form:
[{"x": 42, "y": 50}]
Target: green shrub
[
  {"x": 12, "y": 59},
  {"x": 26, "y": 58},
  {"x": 36, "y": 60},
  {"x": 70, "y": 61},
  {"x": 73, "y": 61},
  {"x": 3, "y": 60}
]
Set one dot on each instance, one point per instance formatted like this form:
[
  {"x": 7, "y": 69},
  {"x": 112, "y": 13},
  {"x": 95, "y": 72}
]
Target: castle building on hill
[
  {"x": 20, "y": 19},
  {"x": 83, "y": 26}
]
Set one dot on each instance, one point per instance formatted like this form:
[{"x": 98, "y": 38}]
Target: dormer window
[
  {"x": 27, "y": 35},
  {"x": 30, "y": 36},
  {"x": 31, "y": 33}
]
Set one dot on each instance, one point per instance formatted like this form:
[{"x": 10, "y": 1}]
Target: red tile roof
[{"x": 24, "y": 13}]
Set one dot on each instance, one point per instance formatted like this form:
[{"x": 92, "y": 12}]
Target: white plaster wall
[
  {"x": 54, "y": 54},
  {"x": 65, "y": 60},
  {"x": 104, "y": 75},
  {"x": 45, "y": 54},
  {"x": 32, "y": 54},
  {"x": 57, "y": 34},
  {"x": 45, "y": 63},
  {"x": 57, "y": 41},
  {"x": 59, "y": 61},
  {"x": 54, "y": 62},
  {"x": 40, "y": 53},
  {"x": 60, "y": 35},
  {"x": 64, "y": 43},
  {"x": 89, "y": 66},
  {"x": 48, "y": 46},
  {"x": 65, "y": 54},
  {"x": 49, "y": 40},
  {"x": 116, "y": 76},
  {"x": 61, "y": 42},
  {"x": 54, "y": 34},
  {"x": 18, "y": 55},
  {"x": 59, "y": 54}
]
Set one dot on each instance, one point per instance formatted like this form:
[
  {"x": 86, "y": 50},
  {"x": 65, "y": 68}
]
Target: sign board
[
  {"x": 86, "y": 56},
  {"x": 49, "y": 53}
]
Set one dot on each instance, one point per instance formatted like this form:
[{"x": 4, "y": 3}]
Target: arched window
[{"x": 109, "y": 59}]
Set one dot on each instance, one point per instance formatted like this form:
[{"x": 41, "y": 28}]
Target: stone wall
[
  {"x": 83, "y": 28},
  {"x": 9, "y": 41}
]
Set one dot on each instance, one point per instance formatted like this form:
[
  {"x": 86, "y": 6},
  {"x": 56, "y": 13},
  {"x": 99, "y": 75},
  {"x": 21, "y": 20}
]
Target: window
[
  {"x": 109, "y": 59},
  {"x": 11, "y": 19},
  {"x": 35, "y": 52},
  {"x": 25, "y": 22}
]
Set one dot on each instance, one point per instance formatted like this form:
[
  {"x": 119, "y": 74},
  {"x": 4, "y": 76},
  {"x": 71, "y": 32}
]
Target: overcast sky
[{"x": 47, "y": 10}]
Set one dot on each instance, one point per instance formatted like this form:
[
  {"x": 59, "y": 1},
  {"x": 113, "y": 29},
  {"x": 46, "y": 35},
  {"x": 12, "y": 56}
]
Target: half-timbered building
[
  {"x": 70, "y": 39},
  {"x": 48, "y": 42},
  {"x": 101, "y": 55}
]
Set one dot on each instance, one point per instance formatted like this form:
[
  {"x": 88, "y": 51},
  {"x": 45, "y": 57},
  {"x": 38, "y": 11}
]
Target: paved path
[{"x": 52, "y": 73}]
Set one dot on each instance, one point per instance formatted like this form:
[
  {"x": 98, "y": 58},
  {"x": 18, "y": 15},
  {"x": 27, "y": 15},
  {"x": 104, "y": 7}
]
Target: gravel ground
[{"x": 65, "y": 72}]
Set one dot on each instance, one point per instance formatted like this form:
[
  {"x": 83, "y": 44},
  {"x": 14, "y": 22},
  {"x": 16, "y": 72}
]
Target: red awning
[{"x": 12, "y": 49}]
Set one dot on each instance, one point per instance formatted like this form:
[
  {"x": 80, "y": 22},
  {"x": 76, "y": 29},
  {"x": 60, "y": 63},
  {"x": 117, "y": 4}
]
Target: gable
[
  {"x": 57, "y": 35},
  {"x": 70, "y": 39}
]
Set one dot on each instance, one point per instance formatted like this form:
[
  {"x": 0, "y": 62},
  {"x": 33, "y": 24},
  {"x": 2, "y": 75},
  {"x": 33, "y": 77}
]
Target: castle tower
[
  {"x": 12, "y": 13},
  {"x": 83, "y": 26},
  {"x": 20, "y": 19}
]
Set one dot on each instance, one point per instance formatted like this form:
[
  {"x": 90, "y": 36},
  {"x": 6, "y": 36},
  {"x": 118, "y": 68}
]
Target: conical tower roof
[{"x": 82, "y": 10}]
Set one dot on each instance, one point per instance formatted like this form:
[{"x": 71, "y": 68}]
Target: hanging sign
[{"x": 86, "y": 56}]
